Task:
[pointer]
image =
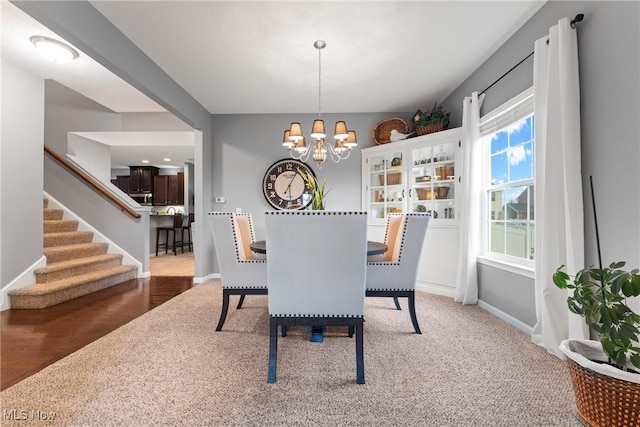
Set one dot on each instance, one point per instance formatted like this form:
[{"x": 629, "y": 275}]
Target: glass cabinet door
[
  {"x": 433, "y": 178},
  {"x": 386, "y": 184}
]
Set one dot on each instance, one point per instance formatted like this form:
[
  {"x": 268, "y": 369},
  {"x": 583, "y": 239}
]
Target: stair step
[
  {"x": 53, "y": 214},
  {"x": 67, "y": 238},
  {"x": 57, "y": 254},
  {"x": 75, "y": 267},
  {"x": 60, "y": 226},
  {"x": 42, "y": 295}
]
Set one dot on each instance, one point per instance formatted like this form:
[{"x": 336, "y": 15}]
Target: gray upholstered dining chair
[
  {"x": 316, "y": 267},
  {"x": 394, "y": 274},
  {"x": 242, "y": 272}
]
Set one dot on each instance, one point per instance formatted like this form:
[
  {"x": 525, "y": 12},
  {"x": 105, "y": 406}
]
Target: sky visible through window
[{"x": 512, "y": 157}]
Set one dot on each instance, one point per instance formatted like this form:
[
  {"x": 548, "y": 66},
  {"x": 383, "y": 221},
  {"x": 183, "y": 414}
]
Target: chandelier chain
[{"x": 319, "y": 82}]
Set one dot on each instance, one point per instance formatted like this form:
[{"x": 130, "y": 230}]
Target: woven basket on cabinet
[{"x": 430, "y": 128}]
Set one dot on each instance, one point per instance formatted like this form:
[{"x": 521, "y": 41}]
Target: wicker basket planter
[
  {"x": 382, "y": 132},
  {"x": 430, "y": 128},
  {"x": 605, "y": 396}
]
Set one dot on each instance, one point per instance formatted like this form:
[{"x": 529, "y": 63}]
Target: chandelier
[{"x": 295, "y": 142}]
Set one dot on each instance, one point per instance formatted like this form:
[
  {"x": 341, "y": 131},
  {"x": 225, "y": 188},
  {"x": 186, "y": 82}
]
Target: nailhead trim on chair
[
  {"x": 315, "y": 213},
  {"x": 235, "y": 240},
  {"x": 318, "y": 315},
  {"x": 404, "y": 231}
]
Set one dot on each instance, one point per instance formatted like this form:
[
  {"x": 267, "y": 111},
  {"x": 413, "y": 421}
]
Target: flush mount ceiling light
[
  {"x": 295, "y": 142},
  {"x": 54, "y": 50}
]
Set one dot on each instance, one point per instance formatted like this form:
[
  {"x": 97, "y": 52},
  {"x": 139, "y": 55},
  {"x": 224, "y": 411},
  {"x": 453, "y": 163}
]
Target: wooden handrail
[{"x": 91, "y": 182}]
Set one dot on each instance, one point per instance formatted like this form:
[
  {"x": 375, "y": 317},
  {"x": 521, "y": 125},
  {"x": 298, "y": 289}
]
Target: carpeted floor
[
  {"x": 170, "y": 265},
  {"x": 169, "y": 367}
]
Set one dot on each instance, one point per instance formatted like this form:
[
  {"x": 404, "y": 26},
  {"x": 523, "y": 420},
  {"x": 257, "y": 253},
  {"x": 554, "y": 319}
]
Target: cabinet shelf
[{"x": 419, "y": 183}]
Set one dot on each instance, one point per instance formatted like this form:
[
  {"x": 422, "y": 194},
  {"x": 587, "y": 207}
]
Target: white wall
[{"x": 21, "y": 164}]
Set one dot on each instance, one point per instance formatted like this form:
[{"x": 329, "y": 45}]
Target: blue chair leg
[
  {"x": 240, "y": 302},
  {"x": 359, "y": 352},
  {"x": 273, "y": 350},
  {"x": 412, "y": 313},
  {"x": 225, "y": 308}
]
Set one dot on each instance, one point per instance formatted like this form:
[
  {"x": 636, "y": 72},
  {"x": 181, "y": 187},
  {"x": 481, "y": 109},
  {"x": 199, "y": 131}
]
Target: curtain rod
[{"x": 579, "y": 17}]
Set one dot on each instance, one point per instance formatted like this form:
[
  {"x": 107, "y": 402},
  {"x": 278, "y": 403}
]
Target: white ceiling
[{"x": 258, "y": 57}]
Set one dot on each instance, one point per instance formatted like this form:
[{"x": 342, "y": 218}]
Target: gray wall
[
  {"x": 249, "y": 144},
  {"x": 66, "y": 111},
  {"x": 609, "y": 50},
  {"x": 83, "y": 26},
  {"x": 21, "y": 164}
]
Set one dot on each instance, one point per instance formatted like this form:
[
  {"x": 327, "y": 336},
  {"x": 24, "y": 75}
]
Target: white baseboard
[
  {"x": 450, "y": 292},
  {"x": 432, "y": 288},
  {"x": 206, "y": 278},
  {"x": 506, "y": 317},
  {"x": 26, "y": 278}
]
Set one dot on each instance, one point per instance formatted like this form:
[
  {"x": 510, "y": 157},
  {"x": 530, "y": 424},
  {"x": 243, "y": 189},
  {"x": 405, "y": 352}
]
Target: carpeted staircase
[{"x": 76, "y": 265}]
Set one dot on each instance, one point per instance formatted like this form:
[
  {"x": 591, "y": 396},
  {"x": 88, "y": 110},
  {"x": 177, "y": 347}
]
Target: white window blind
[{"x": 510, "y": 112}]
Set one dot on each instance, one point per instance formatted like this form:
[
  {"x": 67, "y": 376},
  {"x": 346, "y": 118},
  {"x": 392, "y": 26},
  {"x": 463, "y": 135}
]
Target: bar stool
[
  {"x": 188, "y": 229},
  {"x": 177, "y": 227}
]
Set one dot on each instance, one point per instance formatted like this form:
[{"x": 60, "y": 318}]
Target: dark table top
[{"x": 373, "y": 248}]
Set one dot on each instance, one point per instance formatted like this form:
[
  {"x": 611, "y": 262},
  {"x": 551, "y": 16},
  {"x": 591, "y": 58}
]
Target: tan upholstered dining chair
[
  {"x": 316, "y": 266},
  {"x": 242, "y": 272},
  {"x": 394, "y": 273}
]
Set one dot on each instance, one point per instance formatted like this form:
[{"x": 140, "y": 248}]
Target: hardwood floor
[{"x": 33, "y": 339}]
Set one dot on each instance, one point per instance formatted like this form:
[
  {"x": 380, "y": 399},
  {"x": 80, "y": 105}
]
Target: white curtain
[
  {"x": 559, "y": 235},
  {"x": 470, "y": 201}
]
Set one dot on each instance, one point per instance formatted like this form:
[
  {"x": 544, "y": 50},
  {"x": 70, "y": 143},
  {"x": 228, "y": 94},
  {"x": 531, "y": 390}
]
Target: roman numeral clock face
[{"x": 284, "y": 188}]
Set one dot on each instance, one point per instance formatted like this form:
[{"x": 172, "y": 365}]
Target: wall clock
[{"x": 284, "y": 188}]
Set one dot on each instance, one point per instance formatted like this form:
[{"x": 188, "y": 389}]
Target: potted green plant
[
  {"x": 600, "y": 296},
  {"x": 318, "y": 193},
  {"x": 434, "y": 120},
  {"x": 605, "y": 374}
]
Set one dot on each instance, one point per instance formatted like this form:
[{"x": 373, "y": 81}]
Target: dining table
[{"x": 373, "y": 248}]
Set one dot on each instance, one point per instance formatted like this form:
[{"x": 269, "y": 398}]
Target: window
[{"x": 508, "y": 135}]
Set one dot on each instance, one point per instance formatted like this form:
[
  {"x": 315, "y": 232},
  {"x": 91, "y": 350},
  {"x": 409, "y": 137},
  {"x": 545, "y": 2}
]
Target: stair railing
[{"x": 101, "y": 189}]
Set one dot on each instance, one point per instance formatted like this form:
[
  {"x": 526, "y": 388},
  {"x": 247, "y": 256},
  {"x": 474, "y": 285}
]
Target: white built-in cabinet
[{"x": 418, "y": 175}]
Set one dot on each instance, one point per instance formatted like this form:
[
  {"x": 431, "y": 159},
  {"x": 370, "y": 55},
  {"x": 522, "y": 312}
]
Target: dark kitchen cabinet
[
  {"x": 176, "y": 189},
  {"x": 122, "y": 182},
  {"x": 168, "y": 190},
  {"x": 160, "y": 190},
  {"x": 141, "y": 179}
]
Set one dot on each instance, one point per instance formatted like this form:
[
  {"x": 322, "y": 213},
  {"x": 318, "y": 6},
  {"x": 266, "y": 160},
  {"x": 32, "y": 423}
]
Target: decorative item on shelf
[
  {"x": 396, "y": 162},
  {"x": 382, "y": 132},
  {"x": 395, "y": 136},
  {"x": 605, "y": 374},
  {"x": 442, "y": 192},
  {"x": 296, "y": 144},
  {"x": 391, "y": 179},
  {"x": 426, "y": 194},
  {"x": 421, "y": 208},
  {"x": 433, "y": 213},
  {"x": 432, "y": 121},
  {"x": 318, "y": 193}
]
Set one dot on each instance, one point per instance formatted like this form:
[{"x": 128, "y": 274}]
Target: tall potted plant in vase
[
  {"x": 318, "y": 192},
  {"x": 605, "y": 373}
]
